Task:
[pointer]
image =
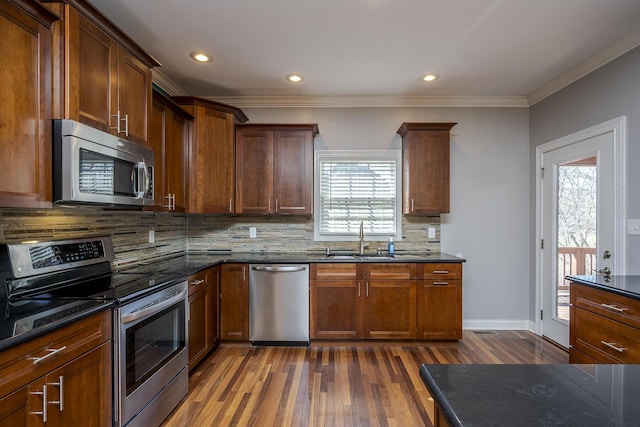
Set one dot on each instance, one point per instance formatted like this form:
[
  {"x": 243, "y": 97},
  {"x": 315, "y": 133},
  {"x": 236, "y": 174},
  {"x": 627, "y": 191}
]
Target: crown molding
[
  {"x": 603, "y": 57},
  {"x": 371, "y": 101},
  {"x": 166, "y": 84}
]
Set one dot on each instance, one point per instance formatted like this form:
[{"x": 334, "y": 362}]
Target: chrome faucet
[{"x": 362, "y": 245}]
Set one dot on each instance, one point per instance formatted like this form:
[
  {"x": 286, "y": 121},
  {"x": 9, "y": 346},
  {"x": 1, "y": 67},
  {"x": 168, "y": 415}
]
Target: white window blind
[{"x": 354, "y": 188}]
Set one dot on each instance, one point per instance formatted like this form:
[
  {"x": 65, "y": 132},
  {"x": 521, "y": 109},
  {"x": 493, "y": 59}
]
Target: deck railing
[{"x": 572, "y": 261}]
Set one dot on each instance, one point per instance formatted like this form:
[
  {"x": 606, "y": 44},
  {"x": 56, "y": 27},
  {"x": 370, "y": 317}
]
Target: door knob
[
  {"x": 607, "y": 254},
  {"x": 606, "y": 271}
]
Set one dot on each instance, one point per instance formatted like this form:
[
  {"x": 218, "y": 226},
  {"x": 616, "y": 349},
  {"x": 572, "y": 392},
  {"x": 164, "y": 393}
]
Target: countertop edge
[
  {"x": 438, "y": 397},
  {"x": 582, "y": 280}
]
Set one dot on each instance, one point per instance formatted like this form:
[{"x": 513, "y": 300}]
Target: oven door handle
[{"x": 160, "y": 305}]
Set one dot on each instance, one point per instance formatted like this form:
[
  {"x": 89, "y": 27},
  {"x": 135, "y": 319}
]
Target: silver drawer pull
[
  {"x": 37, "y": 360},
  {"x": 440, "y": 283},
  {"x": 42, "y": 393},
  {"x": 198, "y": 282},
  {"x": 441, "y": 272},
  {"x": 614, "y": 347},
  {"x": 613, "y": 307},
  {"x": 60, "y": 385}
]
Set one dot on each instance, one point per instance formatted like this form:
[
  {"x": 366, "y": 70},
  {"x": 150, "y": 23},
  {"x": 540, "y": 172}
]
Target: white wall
[{"x": 489, "y": 219}]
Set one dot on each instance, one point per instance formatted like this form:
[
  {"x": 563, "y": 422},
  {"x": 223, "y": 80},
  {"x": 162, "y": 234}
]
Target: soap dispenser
[{"x": 391, "y": 247}]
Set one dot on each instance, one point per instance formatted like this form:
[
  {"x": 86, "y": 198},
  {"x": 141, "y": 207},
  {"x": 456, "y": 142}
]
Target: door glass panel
[{"x": 577, "y": 219}]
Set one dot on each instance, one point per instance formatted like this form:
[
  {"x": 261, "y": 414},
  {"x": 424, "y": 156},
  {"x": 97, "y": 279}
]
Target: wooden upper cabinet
[
  {"x": 274, "y": 169},
  {"x": 25, "y": 110},
  {"x": 107, "y": 77},
  {"x": 425, "y": 167},
  {"x": 169, "y": 132},
  {"x": 211, "y": 178}
]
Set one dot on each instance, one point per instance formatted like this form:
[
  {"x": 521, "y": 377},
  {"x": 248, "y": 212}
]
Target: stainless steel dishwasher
[{"x": 279, "y": 304}]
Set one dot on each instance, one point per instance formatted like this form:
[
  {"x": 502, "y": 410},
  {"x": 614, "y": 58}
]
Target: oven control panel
[
  {"x": 32, "y": 258},
  {"x": 46, "y": 256}
]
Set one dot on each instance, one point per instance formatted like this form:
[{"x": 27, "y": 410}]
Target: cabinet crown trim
[
  {"x": 407, "y": 126},
  {"x": 201, "y": 102}
]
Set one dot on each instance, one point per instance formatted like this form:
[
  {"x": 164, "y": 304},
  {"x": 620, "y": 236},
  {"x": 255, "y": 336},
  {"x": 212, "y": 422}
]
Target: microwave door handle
[{"x": 136, "y": 174}]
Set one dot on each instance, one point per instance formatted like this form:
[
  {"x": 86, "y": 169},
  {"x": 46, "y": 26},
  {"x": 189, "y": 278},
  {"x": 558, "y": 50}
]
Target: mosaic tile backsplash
[{"x": 176, "y": 233}]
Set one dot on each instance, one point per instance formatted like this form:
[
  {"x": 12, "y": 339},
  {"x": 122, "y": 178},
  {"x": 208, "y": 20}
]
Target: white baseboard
[{"x": 498, "y": 324}]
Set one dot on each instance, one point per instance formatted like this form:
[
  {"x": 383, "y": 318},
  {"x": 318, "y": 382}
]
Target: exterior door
[{"x": 579, "y": 209}]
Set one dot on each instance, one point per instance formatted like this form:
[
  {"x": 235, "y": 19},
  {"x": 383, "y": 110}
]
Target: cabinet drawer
[
  {"x": 333, "y": 271},
  {"x": 28, "y": 361},
  {"x": 616, "y": 307},
  {"x": 440, "y": 270},
  {"x": 198, "y": 281},
  {"x": 604, "y": 339},
  {"x": 390, "y": 271}
]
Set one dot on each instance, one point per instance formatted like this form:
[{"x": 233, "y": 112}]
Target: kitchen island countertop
[
  {"x": 628, "y": 286},
  {"x": 535, "y": 395}
]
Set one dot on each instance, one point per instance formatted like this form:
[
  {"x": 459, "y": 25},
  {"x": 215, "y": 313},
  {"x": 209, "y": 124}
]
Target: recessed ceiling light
[
  {"x": 429, "y": 77},
  {"x": 200, "y": 56},
  {"x": 294, "y": 77}
]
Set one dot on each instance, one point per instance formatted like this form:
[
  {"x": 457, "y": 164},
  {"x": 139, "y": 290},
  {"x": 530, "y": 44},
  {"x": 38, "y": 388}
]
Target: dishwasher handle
[{"x": 279, "y": 269}]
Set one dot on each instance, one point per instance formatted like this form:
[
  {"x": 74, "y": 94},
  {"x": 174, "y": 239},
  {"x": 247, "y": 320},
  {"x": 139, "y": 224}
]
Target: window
[{"x": 355, "y": 186}]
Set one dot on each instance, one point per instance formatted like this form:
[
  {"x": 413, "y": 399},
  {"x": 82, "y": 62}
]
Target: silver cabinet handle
[
  {"x": 411, "y": 205},
  {"x": 42, "y": 393},
  {"x": 230, "y": 204},
  {"x": 367, "y": 283},
  {"x": 441, "y": 283},
  {"x": 358, "y": 289},
  {"x": 276, "y": 205},
  {"x": 117, "y": 126},
  {"x": 126, "y": 124},
  {"x": 37, "y": 360},
  {"x": 613, "y": 307},
  {"x": 269, "y": 206},
  {"x": 60, "y": 385},
  {"x": 614, "y": 347},
  {"x": 244, "y": 274},
  {"x": 287, "y": 269},
  {"x": 441, "y": 272},
  {"x": 197, "y": 282}
]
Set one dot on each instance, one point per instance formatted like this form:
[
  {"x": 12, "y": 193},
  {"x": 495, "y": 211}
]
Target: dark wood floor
[{"x": 338, "y": 383}]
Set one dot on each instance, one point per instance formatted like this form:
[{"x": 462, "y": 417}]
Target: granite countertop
[
  {"x": 165, "y": 270},
  {"x": 623, "y": 285},
  {"x": 535, "y": 395}
]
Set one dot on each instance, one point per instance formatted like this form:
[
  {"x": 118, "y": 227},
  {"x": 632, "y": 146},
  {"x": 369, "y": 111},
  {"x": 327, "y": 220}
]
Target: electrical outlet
[
  {"x": 152, "y": 236},
  {"x": 431, "y": 233},
  {"x": 252, "y": 232},
  {"x": 633, "y": 226}
]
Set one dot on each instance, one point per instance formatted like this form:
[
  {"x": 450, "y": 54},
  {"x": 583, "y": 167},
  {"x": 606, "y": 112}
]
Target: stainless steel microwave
[{"x": 94, "y": 167}]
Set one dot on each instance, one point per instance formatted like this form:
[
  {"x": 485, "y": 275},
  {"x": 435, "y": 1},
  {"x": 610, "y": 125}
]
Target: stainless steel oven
[
  {"x": 94, "y": 167},
  {"x": 151, "y": 374}
]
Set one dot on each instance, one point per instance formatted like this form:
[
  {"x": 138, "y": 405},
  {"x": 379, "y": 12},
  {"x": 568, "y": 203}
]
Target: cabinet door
[
  {"x": 336, "y": 309},
  {"x": 175, "y": 160},
  {"x": 23, "y": 407},
  {"x": 25, "y": 110},
  {"x": 293, "y": 172},
  {"x": 198, "y": 305},
  {"x": 134, "y": 97},
  {"x": 158, "y": 141},
  {"x": 389, "y": 309},
  {"x": 234, "y": 300},
  {"x": 440, "y": 309},
  {"x": 214, "y": 320},
  {"x": 79, "y": 393},
  {"x": 93, "y": 74},
  {"x": 212, "y": 156},
  {"x": 254, "y": 172}
]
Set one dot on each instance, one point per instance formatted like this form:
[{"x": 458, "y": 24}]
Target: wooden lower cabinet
[
  {"x": 439, "y": 295},
  {"x": 604, "y": 327},
  {"x": 348, "y": 302},
  {"x": 203, "y": 314},
  {"x": 234, "y": 302},
  {"x": 78, "y": 380}
]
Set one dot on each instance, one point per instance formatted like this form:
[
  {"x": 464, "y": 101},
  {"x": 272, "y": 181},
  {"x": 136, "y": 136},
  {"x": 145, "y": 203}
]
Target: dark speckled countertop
[
  {"x": 623, "y": 285},
  {"x": 535, "y": 395}
]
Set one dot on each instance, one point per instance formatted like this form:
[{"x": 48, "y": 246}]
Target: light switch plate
[
  {"x": 633, "y": 226},
  {"x": 152, "y": 236},
  {"x": 252, "y": 232},
  {"x": 431, "y": 233}
]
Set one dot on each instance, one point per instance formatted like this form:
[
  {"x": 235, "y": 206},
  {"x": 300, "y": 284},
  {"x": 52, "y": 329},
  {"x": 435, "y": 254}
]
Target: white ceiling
[{"x": 378, "y": 48}]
